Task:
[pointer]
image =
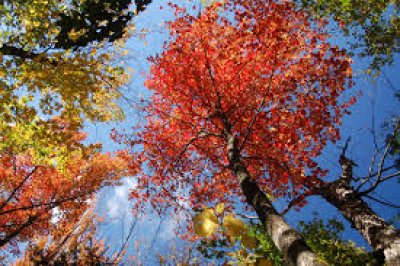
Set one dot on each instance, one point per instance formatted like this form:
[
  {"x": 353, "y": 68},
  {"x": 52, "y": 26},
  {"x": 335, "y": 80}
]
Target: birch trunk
[
  {"x": 376, "y": 231},
  {"x": 288, "y": 241}
]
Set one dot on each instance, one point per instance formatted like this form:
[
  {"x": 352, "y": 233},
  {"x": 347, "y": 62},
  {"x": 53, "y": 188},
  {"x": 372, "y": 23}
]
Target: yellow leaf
[
  {"x": 220, "y": 208},
  {"x": 205, "y": 223},
  {"x": 249, "y": 241},
  {"x": 234, "y": 227},
  {"x": 209, "y": 214},
  {"x": 75, "y": 35},
  {"x": 231, "y": 239},
  {"x": 251, "y": 259},
  {"x": 264, "y": 262}
]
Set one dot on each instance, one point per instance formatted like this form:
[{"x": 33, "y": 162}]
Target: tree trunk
[
  {"x": 288, "y": 241},
  {"x": 376, "y": 231}
]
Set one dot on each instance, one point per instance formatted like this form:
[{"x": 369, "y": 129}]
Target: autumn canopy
[
  {"x": 255, "y": 70},
  {"x": 240, "y": 107}
]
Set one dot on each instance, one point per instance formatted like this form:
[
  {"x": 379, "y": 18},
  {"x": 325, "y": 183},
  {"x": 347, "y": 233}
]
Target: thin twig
[
  {"x": 125, "y": 243},
  {"x": 381, "y": 165},
  {"x": 382, "y": 202}
]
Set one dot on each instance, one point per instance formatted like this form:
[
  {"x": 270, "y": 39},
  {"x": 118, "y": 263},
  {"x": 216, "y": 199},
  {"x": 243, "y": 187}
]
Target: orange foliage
[
  {"x": 34, "y": 198},
  {"x": 71, "y": 243}
]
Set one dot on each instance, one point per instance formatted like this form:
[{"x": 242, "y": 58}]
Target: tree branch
[
  {"x": 17, "y": 188},
  {"x": 51, "y": 204},
  {"x": 19, "y": 52},
  {"x": 379, "y": 178},
  {"x": 88, "y": 16},
  {"x": 297, "y": 200},
  {"x": 382, "y": 202},
  {"x": 28, "y": 223},
  {"x": 261, "y": 106},
  {"x": 125, "y": 244}
]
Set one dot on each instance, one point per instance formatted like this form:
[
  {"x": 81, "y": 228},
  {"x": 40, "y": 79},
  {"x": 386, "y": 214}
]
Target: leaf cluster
[
  {"x": 253, "y": 246},
  {"x": 374, "y": 24},
  {"x": 31, "y": 193},
  {"x": 265, "y": 76},
  {"x": 325, "y": 240},
  {"x": 58, "y": 67},
  {"x": 222, "y": 232},
  {"x": 70, "y": 243}
]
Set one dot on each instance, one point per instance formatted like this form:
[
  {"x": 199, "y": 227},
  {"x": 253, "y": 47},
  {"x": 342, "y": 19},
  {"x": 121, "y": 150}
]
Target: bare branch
[
  {"x": 379, "y": 178},
  {"x": 346, "y": 146},
  {"x": 297, "y": 200},
  {"x": 125, "y": 244},
  {"x": 379, "y": 181},
  {"x": 376, "y": 173},
  {"x": 382, "y": 202}
]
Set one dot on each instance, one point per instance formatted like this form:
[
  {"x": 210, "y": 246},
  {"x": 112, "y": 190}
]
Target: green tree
[
  {"x": 375, "y": 24},
  {"x": 325, "y": 239},
  {"x": 59, "y": 59}
]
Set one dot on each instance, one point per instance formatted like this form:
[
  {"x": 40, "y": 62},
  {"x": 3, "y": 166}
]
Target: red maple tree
[
  {"x": 268, "y": 77},
  {"x": 242, "y": 104}
]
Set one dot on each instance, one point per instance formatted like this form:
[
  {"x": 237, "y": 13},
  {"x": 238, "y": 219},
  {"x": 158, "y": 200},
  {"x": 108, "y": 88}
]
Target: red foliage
[{"x": 268, "y": 76}]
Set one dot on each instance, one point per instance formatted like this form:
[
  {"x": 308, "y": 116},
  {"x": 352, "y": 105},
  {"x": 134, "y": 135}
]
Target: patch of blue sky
[
  {"x": 376, "y": 106},
  {"x": 153, "y": 233}
]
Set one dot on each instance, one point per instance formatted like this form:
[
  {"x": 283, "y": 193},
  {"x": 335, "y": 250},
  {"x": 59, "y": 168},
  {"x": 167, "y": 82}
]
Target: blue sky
[
  {"x": 154, "y": 234},
  {"x": 377, "y": 98}
]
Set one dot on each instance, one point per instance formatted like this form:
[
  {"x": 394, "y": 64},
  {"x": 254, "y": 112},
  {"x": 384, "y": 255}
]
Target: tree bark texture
[
  {"x": 288, "y": 241},
  {"x": 376, "y": 231}
]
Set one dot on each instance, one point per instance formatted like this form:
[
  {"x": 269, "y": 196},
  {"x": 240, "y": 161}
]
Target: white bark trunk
[
  {"x": 288, "y": 241},
  {"x": 376, "y": 231}
]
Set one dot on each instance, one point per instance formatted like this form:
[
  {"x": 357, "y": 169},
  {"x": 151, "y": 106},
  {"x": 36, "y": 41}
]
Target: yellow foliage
[
  {"x": 220, "y": 208},
  {"x": 264, "y": 262},
  {"x": 249, "y": 241},
  {"x": 77, "y": 87},
  {"x": 205, "y": 223},
  {"x": 45, "y": 83},
  {"x": 234, "y": 227},
  {"x": 74, "y": 35}
]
